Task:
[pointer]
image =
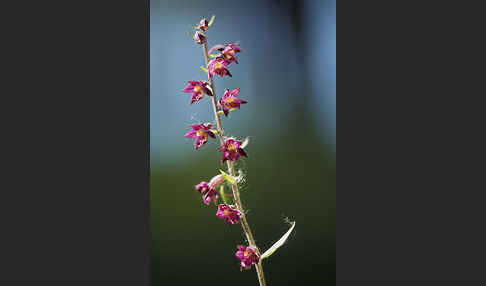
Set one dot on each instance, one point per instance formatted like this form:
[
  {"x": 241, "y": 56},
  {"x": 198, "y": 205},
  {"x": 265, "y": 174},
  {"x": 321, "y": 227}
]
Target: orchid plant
[{"x": 218, "y": 59}]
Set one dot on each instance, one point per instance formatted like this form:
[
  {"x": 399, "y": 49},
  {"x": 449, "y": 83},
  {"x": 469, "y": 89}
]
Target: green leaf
[
  {"x": 214, "y": 131},
  {"x": 223, "y": 195},
  {"x": 214, "y": 55},
  {"x": 279, "y": 243},
  {"x": 204, "y": 69},
  {"x": 243, "y": 145},
  {"x": 228, "y": 177},
  {"x": 211, "y": 21}
]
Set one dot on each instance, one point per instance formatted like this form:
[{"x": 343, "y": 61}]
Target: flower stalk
[
  {"x": 231, "y": 148},
  {"x": 231, "y": 171}
]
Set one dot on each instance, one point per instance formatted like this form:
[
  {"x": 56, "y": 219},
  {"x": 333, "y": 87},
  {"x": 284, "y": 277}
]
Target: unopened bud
[
  {"x": 199, "y": 37},
  {"x": 203, "y": 25}
]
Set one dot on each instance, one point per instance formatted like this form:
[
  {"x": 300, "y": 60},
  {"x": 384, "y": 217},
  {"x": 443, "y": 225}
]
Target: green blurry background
[{"x": 287, "y": 74}]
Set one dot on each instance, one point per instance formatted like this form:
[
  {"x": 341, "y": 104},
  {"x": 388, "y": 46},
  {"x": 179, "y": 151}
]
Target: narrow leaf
[
  {"x": 204, "y": 69},
  {"x": 211, "y": 21},
  {"x": 228, "y": 178},
  {"x": 247, "y": 139},
  {"x": 214, "y": 55},
  {"x": 214, "y": 131},
  {"x": 279, "y": 243}
]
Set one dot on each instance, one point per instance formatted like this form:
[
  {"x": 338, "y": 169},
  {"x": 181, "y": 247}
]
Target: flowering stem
[{"x": 231, "y": 170}]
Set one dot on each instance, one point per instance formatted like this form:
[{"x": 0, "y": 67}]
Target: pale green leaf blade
[
  {"x": 228, "y": 177},
  {"x": 279, "y": 243},
  {"x": 211, "y": 21},
  {"x": 204, "y": 69}
]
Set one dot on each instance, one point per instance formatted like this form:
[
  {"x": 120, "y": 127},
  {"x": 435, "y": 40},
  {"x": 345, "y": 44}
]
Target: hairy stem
[{"x": 231, "y": 171}]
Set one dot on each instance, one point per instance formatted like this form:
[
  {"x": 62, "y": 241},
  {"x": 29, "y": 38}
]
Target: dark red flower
[
  {"x": 232, "y": 150},
  {"x": 230, "y": 100},
  {"x": 199, "y": 37},
  {"x": 229, "y": 212},
  {"x": 198, "y": 90},
  {"x": 229, "y": 52},
  {"x": 248, "y": 256},
  {"x": 201, "y": 132},
  {"x": 207, "y": 192},
  {"x": 218, "y": 66}
]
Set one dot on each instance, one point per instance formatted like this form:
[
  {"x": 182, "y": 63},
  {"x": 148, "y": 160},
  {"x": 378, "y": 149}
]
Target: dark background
[{"x": 287, "y": 74}]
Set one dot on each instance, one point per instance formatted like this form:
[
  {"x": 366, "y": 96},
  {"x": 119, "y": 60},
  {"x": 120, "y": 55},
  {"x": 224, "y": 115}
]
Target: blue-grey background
[{"x": 287, "y": 73}]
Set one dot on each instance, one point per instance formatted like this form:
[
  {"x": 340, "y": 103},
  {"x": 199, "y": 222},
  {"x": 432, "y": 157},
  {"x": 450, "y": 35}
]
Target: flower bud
[
  {"x": 199, "y": 37},
  {"x": 203, "y": 25}
]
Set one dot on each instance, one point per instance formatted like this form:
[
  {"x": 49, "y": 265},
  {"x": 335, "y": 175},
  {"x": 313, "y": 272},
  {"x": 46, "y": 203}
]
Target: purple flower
[
  {"x": 230, "y": 100},
  {"x": 198, "y": 89},
  {"x": 248, "y": 256},
  {"x": 232, "y": 150},
  {"x": 229, "y": 52},
  {"x": 207, "y": 192},
  {"x": 203, "y": 25},
  {"x": 201, "y": 132},
  {"x": 229, "y": 212},
  {"x": 199, "y": 37},
  {"x": 218, "y": 66}
]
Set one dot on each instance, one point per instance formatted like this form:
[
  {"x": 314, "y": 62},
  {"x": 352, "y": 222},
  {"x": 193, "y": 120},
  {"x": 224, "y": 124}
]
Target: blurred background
[{"x": 287, "y": 73}]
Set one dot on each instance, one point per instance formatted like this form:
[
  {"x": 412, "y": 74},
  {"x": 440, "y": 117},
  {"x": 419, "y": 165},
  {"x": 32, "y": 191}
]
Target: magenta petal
[
  {"x": 188, "y": 89},
  {"x": 235, "y": 92},
  {"x": 240, "y": 254},
  {"x": 206, "y": 200},
  {"x": 190, "y": 134}
]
